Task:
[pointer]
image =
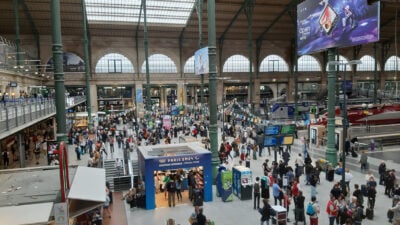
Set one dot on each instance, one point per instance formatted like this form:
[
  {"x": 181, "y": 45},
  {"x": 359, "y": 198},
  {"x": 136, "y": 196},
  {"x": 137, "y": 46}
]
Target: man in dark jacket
[
  {"x": 299, "y": 209},
  {"x": 382, "y": 171},
  {"x": 265, "y": 212}
]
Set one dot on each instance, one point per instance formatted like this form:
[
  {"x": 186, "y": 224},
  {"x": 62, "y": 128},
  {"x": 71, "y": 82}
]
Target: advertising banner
[
  {"x": 227, "y": 193},
  {"x": 201, "y": 61},
  {"x": 167, "y": 122},
  {"x": 139, "y": 95},
  {"x": 323, "y": 24}
]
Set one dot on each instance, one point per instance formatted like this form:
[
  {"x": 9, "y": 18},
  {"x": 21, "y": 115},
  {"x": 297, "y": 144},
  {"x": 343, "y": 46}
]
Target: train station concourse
[{"x": 157, "y": 96}]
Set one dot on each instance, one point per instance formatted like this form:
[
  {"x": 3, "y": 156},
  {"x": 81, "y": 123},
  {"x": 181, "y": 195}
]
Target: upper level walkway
[{"x": 22, "y": 113}]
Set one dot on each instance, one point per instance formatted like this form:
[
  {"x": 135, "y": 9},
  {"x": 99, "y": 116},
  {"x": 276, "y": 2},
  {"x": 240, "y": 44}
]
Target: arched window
[
  {"x": 392, "y": 63},
  {"x": 367, "y": 64},
  {"x": 159, "y": 63},
  {"x": 114, "y": 63},
  {"x": 308, "y": 63},
  {"x": 189, "y": 65},
  {"x": 71, "y": 63},
  {"x": 237, "y": 64},
  {"x": 343, "y": 61},
  {"x": 273, "y": 63}
]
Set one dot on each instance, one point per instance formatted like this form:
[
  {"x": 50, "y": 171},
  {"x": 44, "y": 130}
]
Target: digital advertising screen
[
  {"x": 272, "y": 130},
  {"x": 270, "y": 141},
  {"x": 287, "y": 129},
  {"x": 323, "y": 24}
]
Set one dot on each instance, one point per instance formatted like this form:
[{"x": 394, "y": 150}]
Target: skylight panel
[{"x": 172, "y": 12}]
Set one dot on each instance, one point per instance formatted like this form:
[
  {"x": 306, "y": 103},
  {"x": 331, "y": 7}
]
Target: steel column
[
  {"x": 295, "y": 76},
  {"x": 331, "y": 150},
  {"x": 146, "y": 55},
  {"x": 375, "y": 72},
  {"x": 17, "y": 33},
  {"x": 249, "y": 13},
  {"x": 212, "y": 76},
  {"x": 58, "y": 70},
  {"x": 87, "y": 65},
  {"x": 199, "y": 10}
]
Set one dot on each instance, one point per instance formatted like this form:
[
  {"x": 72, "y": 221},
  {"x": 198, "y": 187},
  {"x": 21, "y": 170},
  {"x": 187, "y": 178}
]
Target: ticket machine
[{"x": 242, "y": 182}]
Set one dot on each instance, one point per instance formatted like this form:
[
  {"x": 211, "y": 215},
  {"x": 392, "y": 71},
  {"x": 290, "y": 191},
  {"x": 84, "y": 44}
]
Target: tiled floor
[{"x": 118, "y": 212}]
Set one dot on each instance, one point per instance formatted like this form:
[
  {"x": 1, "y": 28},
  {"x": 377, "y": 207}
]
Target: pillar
[
  {"x": 21, "y": 148},
  {"x": 93, "y": 95},
  {"x": 212, "y": 76},
  {"x": 58, "y": 70},
  {"x": 257, "y": 97},
  {"x": 331, "y": 155}
]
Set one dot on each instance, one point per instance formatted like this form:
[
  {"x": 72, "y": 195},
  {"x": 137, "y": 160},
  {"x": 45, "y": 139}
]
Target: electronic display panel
[
  {"x": 323, "y": 24},
  {"x": 287, "y": 129},
  {"x": 271, "y": 141},
  {"x": 272, "y": 130},
  {"x": 287, "y": 140}
]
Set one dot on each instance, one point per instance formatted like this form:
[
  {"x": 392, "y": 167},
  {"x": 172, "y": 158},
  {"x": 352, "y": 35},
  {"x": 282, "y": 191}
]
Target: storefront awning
[
  {"x": 26, "y": 214},
  {"x": 87, "y": 190}
]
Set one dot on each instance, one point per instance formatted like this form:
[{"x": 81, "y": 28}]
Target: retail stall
[
  {"x": 172, "y": 157},
  {"x": 242, "y": 182}
]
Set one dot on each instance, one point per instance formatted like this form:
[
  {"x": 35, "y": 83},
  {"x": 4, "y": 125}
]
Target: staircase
[{"x": 111, "y": 172}]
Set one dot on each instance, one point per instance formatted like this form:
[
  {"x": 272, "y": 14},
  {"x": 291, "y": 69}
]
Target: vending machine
[{"x": 242, "y": 182}]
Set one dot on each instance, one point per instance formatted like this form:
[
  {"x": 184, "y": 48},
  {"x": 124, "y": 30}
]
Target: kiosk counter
[{"x": 242, "y": 182}]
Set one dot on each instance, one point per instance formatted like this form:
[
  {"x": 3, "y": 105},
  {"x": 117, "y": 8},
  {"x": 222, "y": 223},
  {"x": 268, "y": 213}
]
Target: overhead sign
[
  {"x": 201, "y": 61},
  {"x": 272, "y": 130},
  {"x": 323, "y": 24}
]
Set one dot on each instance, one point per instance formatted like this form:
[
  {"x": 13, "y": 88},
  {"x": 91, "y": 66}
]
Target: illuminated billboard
[{"x": 323, "y": 24}]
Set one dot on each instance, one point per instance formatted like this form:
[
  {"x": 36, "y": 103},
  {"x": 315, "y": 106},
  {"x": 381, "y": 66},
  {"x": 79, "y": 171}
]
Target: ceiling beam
[
  {"x": 187, "y": 21},
  {"x": 284, "y": 11},
  {"x": 233, "y": 20},
  {"x": 30, "y": 18}
]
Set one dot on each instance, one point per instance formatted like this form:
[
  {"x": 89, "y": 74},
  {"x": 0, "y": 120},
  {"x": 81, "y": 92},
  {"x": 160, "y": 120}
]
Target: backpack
[
  {"x": 328, "y": 209},
  {"x": 265, "y": 182},
  {"x": 310, "y": 209}
]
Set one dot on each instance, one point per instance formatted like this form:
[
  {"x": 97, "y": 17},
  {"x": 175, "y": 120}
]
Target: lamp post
[{"x": 344, "y": 114}]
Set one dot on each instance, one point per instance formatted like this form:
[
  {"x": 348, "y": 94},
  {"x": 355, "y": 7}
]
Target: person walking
[
  {"x": 299, "y": 215},
  {"x": 78, "y": 151},
  {"x": 314, "y": 217},
  {"x": 382, "y": 171},
  {"x": 265, "y": 212},
  {"x": 256, "y": 192},
  {"x": 179, "y": 188},
  {"x": 276, "y": 192},
  {"x": 332, "y": 210},
  {"x": 364, "y": 161},
  {"x": 396, "y": 211},
  {"x": 171, "y": 189},
  {"x": 6, "y": 158}
]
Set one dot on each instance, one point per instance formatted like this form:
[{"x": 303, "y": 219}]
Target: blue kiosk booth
[{"x": 169, "y": 157}]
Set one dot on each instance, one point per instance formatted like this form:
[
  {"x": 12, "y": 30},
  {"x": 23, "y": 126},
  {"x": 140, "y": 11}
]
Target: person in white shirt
[
  {"x": 348, "y": 177},
  {"x": 300, "y": 163}
]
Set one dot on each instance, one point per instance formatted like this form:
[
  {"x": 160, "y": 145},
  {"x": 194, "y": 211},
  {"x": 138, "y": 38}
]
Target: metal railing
[{"x": 17, "y": 113}]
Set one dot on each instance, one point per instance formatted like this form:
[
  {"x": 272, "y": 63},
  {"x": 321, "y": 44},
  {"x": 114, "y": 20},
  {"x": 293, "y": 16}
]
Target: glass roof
[{"x": 173, "y": 12}]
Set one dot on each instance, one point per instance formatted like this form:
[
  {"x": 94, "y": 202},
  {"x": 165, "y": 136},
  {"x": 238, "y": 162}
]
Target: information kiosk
[
  {"x": 242, "y": 182},
  {"x": 171, "y": 157}
]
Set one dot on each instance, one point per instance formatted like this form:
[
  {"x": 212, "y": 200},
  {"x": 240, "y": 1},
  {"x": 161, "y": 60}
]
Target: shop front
[{"x": 168, "y": 159}]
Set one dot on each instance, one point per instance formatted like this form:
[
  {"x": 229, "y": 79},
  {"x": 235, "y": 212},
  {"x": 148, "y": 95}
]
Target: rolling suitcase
[
  {"x": 369, "y": 213},
  {"x": 330, "y": 174}
]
